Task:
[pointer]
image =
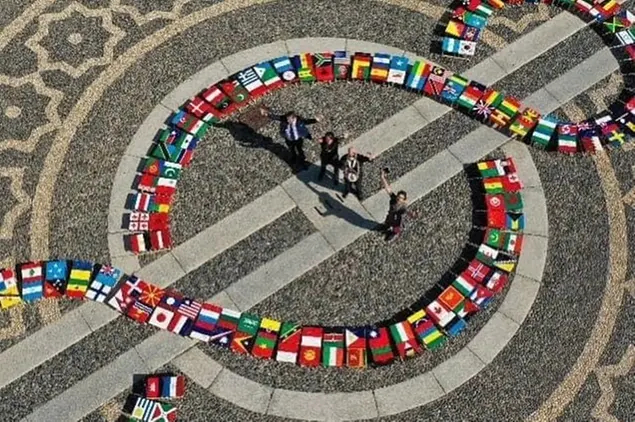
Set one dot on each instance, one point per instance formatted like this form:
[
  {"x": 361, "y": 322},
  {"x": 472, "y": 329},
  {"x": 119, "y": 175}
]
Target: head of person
[
  {"x": 402, "y": 197},
  {"x": 329, "y": 136},
  {"x": 352, "y": 153},
  {"x": 292, "y": 117}
]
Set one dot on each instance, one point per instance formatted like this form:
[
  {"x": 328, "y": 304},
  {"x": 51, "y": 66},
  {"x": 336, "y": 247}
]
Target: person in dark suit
[
  {"x": 351, "y": 171},
  {"x": 294, "y": 129},
  {"x": 329, "y": 156}
]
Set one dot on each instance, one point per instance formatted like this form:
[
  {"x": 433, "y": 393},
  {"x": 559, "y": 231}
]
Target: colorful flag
[
  {"x": 543, "y": 132},
  {"x": 463, "y": 285},
  {"x": 453, "y": 88},
  {"x": 266, "y": 338},
  {"x": 498, "y": 167},
  {"x": 268, "y": 76},
  {"x": 305, "y": 67},
  {"x": 404, "y": 339},
  {"x": 160, "y": 239},
  {"x": 380, "y": 67},
  {"x": 493, "y": 185},
  {"x": 106, "y": 279},
  {"x": 311, "y": 346},
  {"x": 79, "y": 279},
  {"x": 235, "y": 91},
  {"x": 139, "y": 312},
  {"x": 567, "y": 138},
  {"x": 56, "y": 278},
  {"x": 252, "y": 83},
  {"x": 454, "y": 29},
  {"x": 161, "y": 168},
  {"x": 177, "y": 138},
  {"x": 143, "y": 409},
  {"x": 245, "y": 335},
  {"x": 436, "y": 81},
  {"x": 32, "y": 281},
  {"x": 172, "y": 386},
  {"x": 285, "y": 69},
  {"x": 289, "y": 343},
  {"x": 226, "y": 327},
  {"x": 515, "y": 221},
  {"x": 206, "y": 321},
  {"x": 477, "y": 271},
  {"x": 481, "y": 296},
  {"x": 333, "y": 348},
  {"x": 513, "y": 201},
  {"x": 361, "y": 66},
  {"x": 158, "y": 185},
  {"x": 429, "y": 335},
  {"x": 467, "y": 48},
  {"x": 379, "y": 345},
  {"x": 417, "y": 75},
  {"x": 200, "y": 109},
  {"x": 494, "y": 203},
  {"x": 187, "y": 310},
  {"x": 439, "y": 314},
  {"x": 342, "y": 64},
  {"x": 215, "y": 97},
  {"x": 9, "y": 291},
  {"x": 626, "y": 37},
  {"x": 324, "y": 67},
  {"x": 486, "y": 254},
  {"x": 125, "y": 292},
  {"x": 136, "y": 243},
  {"x": 496, "y": 281},
  {"x": 189, "y": 123},
  {"x": 171, "y": 153},
  {"x": 163, "y": 412},
  {"x": 355, "y": 347},
  {"x": 470, "y": 96},
  {"x": 398, "y": 70},
  {"x": 143, "y": 221}
]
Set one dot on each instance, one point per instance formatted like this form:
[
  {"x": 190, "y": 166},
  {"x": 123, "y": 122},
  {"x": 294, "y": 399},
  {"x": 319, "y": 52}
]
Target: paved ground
[{"x": 572, "y": 358}]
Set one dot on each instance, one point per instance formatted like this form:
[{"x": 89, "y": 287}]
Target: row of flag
[
  {"x": 427, "y": 324},
  {"x": 146, "y": 407}
]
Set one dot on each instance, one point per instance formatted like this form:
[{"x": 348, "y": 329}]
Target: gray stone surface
[
  {"x": 493, "y": 337},
  {"x": 236, "y": 389},
  {"x": 457, "y": 370},
  {"x": 532, "y": 257},
  {"x": 198, "y": 366},
  {"x": 534, "y": 207},
  {"x": 412, "y": 393},
  {"x": 519, "y": 298},
  {"x": 477, "y": 144},
  {"x": 303, "y": 45}
]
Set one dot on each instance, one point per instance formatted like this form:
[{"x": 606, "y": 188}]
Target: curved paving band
[{"x": 441, "y": 313}]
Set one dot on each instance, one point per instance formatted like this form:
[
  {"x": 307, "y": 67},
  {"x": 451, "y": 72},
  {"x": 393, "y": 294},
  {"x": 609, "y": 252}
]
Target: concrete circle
[{"x": 13, "y": 112}]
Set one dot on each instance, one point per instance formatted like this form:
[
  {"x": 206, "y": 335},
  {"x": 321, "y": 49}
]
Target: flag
[
  {"x": 567, "y": 138},
  {"x": 124, "y": 293},
  {"x": 143, "y": 409},
  {"x": 285, "y": 69},
  {"x": 203, "y": 110},
  {"x": 160, "y": 239},
  {"x": 333, "y": 348},
  {"x": 494, "y": 238},
  {"x": 136, "y": 243},
  {"x": 379, "y": 345},
  {"x": 506, "y": 265},
  {"x": 496, "y": 281},
  {"x": 481, "y": 296},
  {"x": 355, "y": 347},
  {"x": 613, "y": 25},
  {"x": 626, "y": 37},
  {"x": 172, "y": 386},
  {"x": 583, "y": 6},
  {"x": 161, "y": 168},
  {"x": 436, "y": 81},
  {"x": 475, "y": 20},
  {"x": 163, "y": 313},
  {"x": 56, "y": 278},
  {"x": 494, "y": 203},
  {"x": 521, "y": 126},
  {"x": 245, "y": 335},
  {"x": 235, "y": 91},
  {"x": 186, "y": 313},
  {"x": 492, "y": 97},
  {"x": 158, "y": 185},
  {"x": 477, "y": 271},
  {"x": 218, "y": 99},
  {"x": 305, "y": 67},
  {"x": 470, "y": 96},
  {"x": 494, "y": 168},
  {"x": 311, "y": 346},
  {"x": 380, "y": 67},
  {"x": 289, "y": 343},
  {"x": 486, "y": 254},
  {"x": 439, "y": 313},
  {"x": 543, "y": 132},
  {"x": 515, "y": 222},
  {"x": 226, "y": 327},
  {"x": 9, "y": 291},
  {"x": 324, "y": 67},
  {"x": 153, "y": 387},
  {"x": 453, "y": 88},
  {"x": 106, "y": 279},
  {"x": 454, "y": 29},
  {"x": 417, "y": 75},
  {"x": 205, "y": 322},
  {"x": 493, "y": 185},
  {"x": 428, "y": 334},
  {"x": 189, "y": 123},
  {"x": 470, "y": 34},
  {"x": 252, "y": 83},
  {"x": 508, "y": 183},
  {"x": 143, "y": 221},
  {"x": 398, "y": 70},
  {"x": 463, "y": 285},
  {"x": 513, "y": 201},
  {"x": 163, "y": 412},
  {"x": 342, "y": 64},
  {"x": 32, "y": 281},
  {"x": 151, "y": 295},
  {"x": 591, "y": 144},
  {"x": 178, "y": 138},
  {"x": 482, "y": 110},
  {"x": 79, "y": 279},
  {"x": 268, "y": 75},
  {"x": 266, "y": 338},
  {"x": 467, "y": 48},
  {"x": 361, "y": 66},
  {"x": 496, "y": 219},
  {"x": 626, "y": 17},
  {"x": 139, "y": 312},
  {"x": 404, "y": 338},
  {"x": 171, "y": 153}
]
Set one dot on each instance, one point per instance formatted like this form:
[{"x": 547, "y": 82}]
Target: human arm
[
  {"x": 316, "y": 119},
  {"x": 385, "y": 183},
  {"x": 267, "y": 112}
]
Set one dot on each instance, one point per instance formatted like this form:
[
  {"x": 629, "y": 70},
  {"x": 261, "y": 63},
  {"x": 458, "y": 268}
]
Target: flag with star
[
  {"x": 106, "y": 279},
  {"x": 397, "y": 71},
  {"x": 428, "y": 333},
  {"x": 310, "y": 346},
  {"x": 381, "y": 350},
  {"x": 355, "y": 342},
  {"x": 56, "y": 278},
  {"x": 9, "y": 290},
  {"x": 161, "y": 168},
  {"x": 246, "y": 331},
  {"x": 289, "y": 342},
  {"x": 266, "y": 338}
]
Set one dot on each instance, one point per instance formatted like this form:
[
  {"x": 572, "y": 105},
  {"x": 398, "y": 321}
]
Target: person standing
[
  {"x": 397, "y": 209},
  {"x": 294, "y": 129},
  {"x": 351, "y": 171},
  {"x": 329, "y": 146}
]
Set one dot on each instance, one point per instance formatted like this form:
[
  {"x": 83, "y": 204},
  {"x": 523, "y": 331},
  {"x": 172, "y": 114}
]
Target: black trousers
[
  {"x": 353, "y": 187},
  {"x": 296, "y": 148},
  {"x": 326, "y": 160}
]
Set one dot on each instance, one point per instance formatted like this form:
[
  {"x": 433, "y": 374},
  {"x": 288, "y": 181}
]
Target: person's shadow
[{"x": 247, "y": 137}]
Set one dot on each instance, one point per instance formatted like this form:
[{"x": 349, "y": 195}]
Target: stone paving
[{"x": 97, "y": 80}]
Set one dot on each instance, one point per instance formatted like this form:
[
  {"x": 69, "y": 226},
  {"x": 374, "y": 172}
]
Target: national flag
[
  {"x": 496, "y": 281},
  {"x": 289, "y": 343},
  {"x": 268, "y": 75},
  {"x": 32, "y": 281},
  {"x": 498, "y": 167},
  {"x": 56, "y": 278},
  {"x": 9, "y": 291},
  {"x": 494, "y": 203},
  {"x": 515, "y": 221},
  {"x": 417, "y": 75},
  {"x": 543, "y": 132},
  {"x": 342, "y": 64},
  {"x": 627, "y": 124},
  {"x": 172, "y": 386},
  {"x": 506, "y": 265},
  {"x": 482, "y": 110},
  {"x": 469, "y": 18},
  {"x": 311, "y": 346},
  {"x": 567, "y": 138},
  {"x": 626, "y": 17},
  {"x": 285, "y": 69},
  {"x": 161, "y": 168},
  {"x": 470, "y": 96},
  {"x": 160, "y": 239},
  {"x": 355, "y": 347},
  {"x": 521, "y": 126},
  {"x": 250, "y": 80},
  {"x": 478, "y": 271},
  {"x": 171, "y": 153},
  {"x": 305, "y": 67},
  {"x": 125, "y": 292},
  {"x": 493, "y": 185},
  {"x": 439, "y": 313},
  {"x": 187, "y": 310},
  {"x": 361, "y": 66},
  {"x": 486, "y": 254},
  {"x": 139, "y": 312},
  {"x": 200, "y": 109},
  {"x": 496, "y": 219},
  {"x": 323, "y": 63},
  {"x": 463, "y": 285},
  {"x": 513, "y": 243},
  {"x": 591, "y": 144},
  {"x": 613, "y": 25},
  {"x": 189, "y": 123},
  {"x": 158, "y": 185},
  {"x": 163, "y": 314},
  {"x": 178, "y": 138},
  {"x": 493, "y": 98},
  {"x": 380, "y": 67},
  {"x": 143, "y": 409},
  {"x": 404, "y": 339},
  {"x": 79, "y": 279},
  {"x": 266, "y": 338},
  {"x": 163, "y": 412},
  {"x": 225, "y": 328},
  {"x": 142, "y": 221},
  {"x": 235, "y": 91},
  {"x": 453, "y": 88},
  {"x": 218, "y": 99},
  {"x": 137, "y": 243},
  {"x": 513, "y": 201},
  {"x": 398, "y": 70},
  {"x": 333, "y": 348},
  {"x": 153, "y": 387},
  {"x": 481, "y": 296},
  {"x": 482, "y": 9},
  {"x": 470, "y": 34},
  {"x": 583, "y": 6},
  {"x": 454, "y": 29},
  {"x": 436, "y": 81},
  {"x": 626, "y": 37},
  {"x": 106, "y": 279},
  {"x": 379, "y": 345},
  {"x": 508, "y": 183},
  {"x": 246, "y": 331},
  {"x": 494, "y": 238},
  {"x": 205, "y": 322},
  {"x": 428, "y": 334}
]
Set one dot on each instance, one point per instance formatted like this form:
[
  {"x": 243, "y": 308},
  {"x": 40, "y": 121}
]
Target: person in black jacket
[
  {"x": 351, "y": 171},
  {"x": 397, "y": 210},
  {"x": 329, "y": 146},
  {"x": 294, "y": 131}
]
